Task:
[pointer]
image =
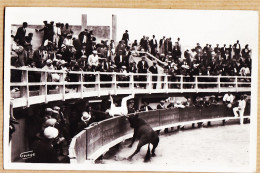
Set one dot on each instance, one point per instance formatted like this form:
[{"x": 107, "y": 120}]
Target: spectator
[
  {"x": 142, "y": 68},
  {"x": 161, "y": 45},
  {"x": 153, "y": 44},
  {"x": 93, "y": 60},
  {"x": 179, "y": 104},
  {"x": 20, "y": 33},
  {"x": 145, "y": 107},
  {"x": 171, "y": 105},
  {"x": 228, "y": 99},
  {"x": 45, "y": 30},
  {"x": 154, "y": 70},
  {"x": 130, "y": 107},
  {"x": 237, "y": 49},
  {"x": 161, "y": 105},
  {"x": 240, "y": 108},
  {"x": 126, "y": 37}
]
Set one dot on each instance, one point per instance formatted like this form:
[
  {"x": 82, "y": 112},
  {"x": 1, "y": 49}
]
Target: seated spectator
[
  {"x": 171, "y": 105},
  {"x": 93, "y": 60},
  {"x": 145, "y": 107},
  {"x": 179, "y": 104},
  {"x": 130, "y": 107},
  {"x": 188, "y": 102},
  {"x": 161, "y": 105}
]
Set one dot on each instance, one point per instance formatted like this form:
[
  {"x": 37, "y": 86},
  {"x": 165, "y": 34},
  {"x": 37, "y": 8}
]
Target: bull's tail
[{"x": 148, "y": 154}]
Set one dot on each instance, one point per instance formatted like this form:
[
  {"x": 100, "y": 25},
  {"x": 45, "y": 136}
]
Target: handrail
[{"x": 118, "y": 83}]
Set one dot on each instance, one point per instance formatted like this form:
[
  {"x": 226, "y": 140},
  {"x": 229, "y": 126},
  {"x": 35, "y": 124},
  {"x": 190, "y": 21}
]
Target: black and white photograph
[{"x": 130, "y": 89}]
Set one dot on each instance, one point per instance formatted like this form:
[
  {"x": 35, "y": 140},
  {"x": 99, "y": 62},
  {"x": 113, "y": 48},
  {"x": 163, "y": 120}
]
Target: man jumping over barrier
[{"x": 119, "y": 110}]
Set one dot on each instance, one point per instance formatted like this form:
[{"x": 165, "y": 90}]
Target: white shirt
[
  {"x": 229, "y": 98},
  {"x": 68, "y": 41},
  {"x": 93, "y": 60},
  {"x": 242, "y": 104},
  {"x": 57, "y": 30}
]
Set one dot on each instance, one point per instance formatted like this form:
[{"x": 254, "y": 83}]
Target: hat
[
  {"x": 56, "y": 108},
  {"x": 50, "y": 122},
  {"x": 84, "y": 57},
  {"x": 212, "y": 96},
  {"x": 94, "y": 51},
  {"x": 85, "y": 116},
  {"x": 131, "y": 101},
  {"x": 59, "y": 55},
  {"x": 62, "y": 62},
  {"x": 162, "y": 101},
  {"x": 155, "y": 62},
  {"x": 45, "y": 21},
  {"x": 86, "y": 29},
  {"x": 69, "y": 35},
  {"x": 49, "y": 61},
  {"x": 48, "y": 110},
  {"x": 123, "y": 66},
  {"x": 162, "y": 54},
  {"x": 50, "y": 132}
]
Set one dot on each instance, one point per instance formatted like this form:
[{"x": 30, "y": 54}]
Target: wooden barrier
[{"x": 108, "y": 133}]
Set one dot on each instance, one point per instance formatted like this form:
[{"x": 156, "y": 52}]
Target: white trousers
[{"x": 240, "y": 110}]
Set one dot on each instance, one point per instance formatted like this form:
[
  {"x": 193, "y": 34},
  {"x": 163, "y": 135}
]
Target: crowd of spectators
[{"x": 61, "y": 50}]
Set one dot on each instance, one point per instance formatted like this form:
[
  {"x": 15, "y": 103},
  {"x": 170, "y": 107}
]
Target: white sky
[{"x": 191, "y": 26}]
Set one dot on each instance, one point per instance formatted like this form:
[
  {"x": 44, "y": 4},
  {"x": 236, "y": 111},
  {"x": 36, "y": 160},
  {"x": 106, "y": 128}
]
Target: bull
[{"x": 145, "y": 134}]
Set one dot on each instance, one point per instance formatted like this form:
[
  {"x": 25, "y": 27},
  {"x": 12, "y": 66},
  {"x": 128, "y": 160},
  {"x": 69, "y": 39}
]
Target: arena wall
[{"x": 115, "y": 130}]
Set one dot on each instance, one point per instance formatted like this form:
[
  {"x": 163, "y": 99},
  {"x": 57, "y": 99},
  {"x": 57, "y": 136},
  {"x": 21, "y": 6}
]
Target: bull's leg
[
  {"x": 155, "y": 144},
  {"x": 133, "y": 140},
  {"x": 148, "y": 155},
  {"x": 139, "y": 146}
]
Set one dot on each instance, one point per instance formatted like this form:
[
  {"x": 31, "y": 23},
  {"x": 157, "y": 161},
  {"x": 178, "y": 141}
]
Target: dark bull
[{"x": 145, "y": 134}]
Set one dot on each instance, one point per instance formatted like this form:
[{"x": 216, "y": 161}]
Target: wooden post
[
  {"x": 219, "y": 84},
  {"x": 24, "y": 91},
  {"x": 114, "y": 84},
  {"x": 196, "y": 84},
  {"x": 181, "y": 83},
  {"x": 131, "y": 82}
]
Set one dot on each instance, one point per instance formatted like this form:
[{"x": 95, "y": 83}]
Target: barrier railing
[
  {"x": 42, "y": 86},
  {"x": 106, "y": 134}
]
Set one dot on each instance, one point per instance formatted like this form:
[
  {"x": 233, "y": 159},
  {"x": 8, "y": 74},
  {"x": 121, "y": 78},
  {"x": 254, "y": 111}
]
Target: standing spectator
[
  {"x": 237, "y": 49},
  {"x": 120, "y": 47},
  {"x": 153, "y": 44},
  {"x": 161, "y": 105},
  {"x": 57, "y": 34},
  {"x": 83, "y": 37},
  {"x": 154, "y": 70},
  {"x": 142, "y": 68},
  {"x": 20, "y": 34},
  {"x": 246, "y": 52},
  {"x": 170, "y": 44},
  {"x": 126, "y": 37},
  {"x": 161, "y": 45},
  {"x": 45, "y": 31},
  {"x": 120, "y": 59},
  {"x": 241, "y": 107},
  {"x": 145, "y": 107},
  {"x": 28, "y": 39}
]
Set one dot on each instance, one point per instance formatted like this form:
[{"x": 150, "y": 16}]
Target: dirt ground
[{"x": 222, "y": 147}]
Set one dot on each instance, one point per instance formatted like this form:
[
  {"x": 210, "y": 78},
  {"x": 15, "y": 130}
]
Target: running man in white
[
  {"x": 240, "y": 108},
  {"x": 119, "y": 110}
]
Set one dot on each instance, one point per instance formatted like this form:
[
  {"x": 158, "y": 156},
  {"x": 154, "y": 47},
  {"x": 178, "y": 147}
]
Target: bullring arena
[{"x": 67, "y": 83}]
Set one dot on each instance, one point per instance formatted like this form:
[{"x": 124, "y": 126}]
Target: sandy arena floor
[{"x": 224, "y": 147}]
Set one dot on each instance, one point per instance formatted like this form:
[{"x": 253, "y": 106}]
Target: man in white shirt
[
  {"x": 57, "y": 34},
  {"x": 228, "y": 98},
  {"x": 241, "y": 108},
  {"x": 93, "y": 60}
]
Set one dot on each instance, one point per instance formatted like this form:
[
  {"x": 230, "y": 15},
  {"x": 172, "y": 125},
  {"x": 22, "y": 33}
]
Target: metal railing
[{"x": 34, "y": 86}]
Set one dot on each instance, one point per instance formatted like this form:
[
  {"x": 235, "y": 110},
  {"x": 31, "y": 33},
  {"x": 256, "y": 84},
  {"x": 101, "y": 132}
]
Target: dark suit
[
  {"x": 21, "y": 35},
  {"x": 120, "y": 61},
  {"x": 142, "y": 68},
  {"x": 154, "y": 70},
  {"x": 153, "y": 44},
  {"x": 125, "y": 38}
]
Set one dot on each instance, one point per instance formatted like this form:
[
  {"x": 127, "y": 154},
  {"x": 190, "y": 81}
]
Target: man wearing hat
[
  {"x": 130, "y": 107},
  {"x": 20, "y": 33},
  {"x": 83, "y": 37},
  {"x": 145, "y": 107},
  {"x": 56, "y": 34},
  {"x": 93, "y": 60},
  {"x": 154, "y": 70},
  {"x": 153, "y": 44},
  {"x": 142, "y": 68},
  {"x": 161, "y": 105},
  {"x": 43, "y": 150},
  {"x": 126, "y": 37},
  {"x": 45, "y": 31}
]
